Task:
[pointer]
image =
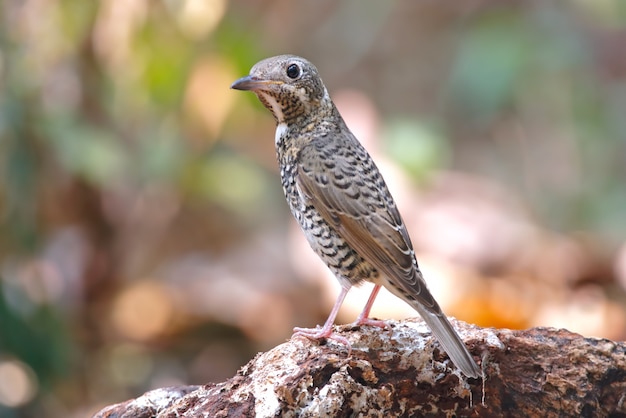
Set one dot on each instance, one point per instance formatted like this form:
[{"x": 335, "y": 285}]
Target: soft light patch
[{"x": 277, "y": 110}]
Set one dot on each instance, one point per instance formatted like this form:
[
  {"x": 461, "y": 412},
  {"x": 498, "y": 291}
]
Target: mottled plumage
[{"x": 341, "y": 201}]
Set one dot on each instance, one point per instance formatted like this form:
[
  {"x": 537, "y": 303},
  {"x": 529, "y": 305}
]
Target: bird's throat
[{"x": 272, "y": 105}]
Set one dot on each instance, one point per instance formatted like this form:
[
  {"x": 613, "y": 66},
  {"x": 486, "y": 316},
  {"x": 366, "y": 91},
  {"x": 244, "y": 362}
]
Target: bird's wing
[
  {"x": 347, "y": 189},
  {"x": 350, "y": 194}
]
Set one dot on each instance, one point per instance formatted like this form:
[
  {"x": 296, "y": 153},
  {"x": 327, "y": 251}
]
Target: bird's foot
[
  {"x": 320, "y": 334},
  {"x": 372, "y": 322}
]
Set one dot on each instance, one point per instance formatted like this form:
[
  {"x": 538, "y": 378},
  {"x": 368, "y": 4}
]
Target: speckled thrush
[{"x": 340, "y": 200}]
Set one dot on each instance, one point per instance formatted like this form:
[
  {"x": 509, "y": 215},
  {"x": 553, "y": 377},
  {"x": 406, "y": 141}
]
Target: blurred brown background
[{"x": 145, "y": 239}]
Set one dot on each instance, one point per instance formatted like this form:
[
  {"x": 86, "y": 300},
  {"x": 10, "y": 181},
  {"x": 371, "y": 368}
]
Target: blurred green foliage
[{"x": 41, "y": 337}]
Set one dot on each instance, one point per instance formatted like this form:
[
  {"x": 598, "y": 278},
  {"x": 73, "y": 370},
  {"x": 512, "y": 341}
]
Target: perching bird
[{"x": 340, "y": 200}]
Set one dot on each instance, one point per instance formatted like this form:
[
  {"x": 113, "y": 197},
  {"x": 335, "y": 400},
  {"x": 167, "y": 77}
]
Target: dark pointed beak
[
  {"x": 247, "y": 83},
  {"x": 250, "y": 83},
  {"x": 244, "y": 83}
]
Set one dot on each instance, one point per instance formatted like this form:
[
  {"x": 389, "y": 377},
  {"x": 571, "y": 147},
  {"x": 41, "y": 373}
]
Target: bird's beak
[{"x": 251, "y": 83}]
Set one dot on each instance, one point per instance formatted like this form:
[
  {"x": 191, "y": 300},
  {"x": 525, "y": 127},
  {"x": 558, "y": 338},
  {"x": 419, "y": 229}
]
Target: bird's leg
[
  {"x": 363, "y": 318},
  {"x": 327, "y": 330}
]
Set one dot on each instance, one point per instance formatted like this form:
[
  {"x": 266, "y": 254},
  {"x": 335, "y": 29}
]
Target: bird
[{"x": 341, "y": 201}]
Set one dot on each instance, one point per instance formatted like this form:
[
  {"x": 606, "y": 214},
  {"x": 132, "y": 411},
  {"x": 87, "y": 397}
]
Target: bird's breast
[{"x": 281, "y": 133}]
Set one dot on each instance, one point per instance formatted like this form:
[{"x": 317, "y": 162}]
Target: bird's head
[{"x": 288, "y": 85}]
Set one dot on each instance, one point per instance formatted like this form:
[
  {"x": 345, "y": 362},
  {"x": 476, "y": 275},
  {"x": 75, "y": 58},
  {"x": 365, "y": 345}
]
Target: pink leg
[
  {"x": 363, "y": 318},
  {"x": 327, "y": 330}
]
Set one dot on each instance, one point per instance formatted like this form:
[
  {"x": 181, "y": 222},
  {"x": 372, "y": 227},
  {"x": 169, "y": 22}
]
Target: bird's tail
[{"x": 449, "y": 340}]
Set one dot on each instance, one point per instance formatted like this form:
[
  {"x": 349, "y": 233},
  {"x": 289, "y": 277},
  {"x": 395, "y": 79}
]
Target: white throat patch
[{"x": 281, "y": 129}]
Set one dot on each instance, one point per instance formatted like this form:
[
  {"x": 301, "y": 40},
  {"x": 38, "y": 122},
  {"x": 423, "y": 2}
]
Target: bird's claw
[
  {"x": 373, "y": 322},
  {"x": 318, "y": 334}
]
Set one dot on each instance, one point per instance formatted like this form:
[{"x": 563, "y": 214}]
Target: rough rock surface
[{"x": 401, "y": 371}]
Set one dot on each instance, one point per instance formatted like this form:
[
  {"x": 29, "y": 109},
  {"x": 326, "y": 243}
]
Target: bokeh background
[{"x": 145, "y": 240}]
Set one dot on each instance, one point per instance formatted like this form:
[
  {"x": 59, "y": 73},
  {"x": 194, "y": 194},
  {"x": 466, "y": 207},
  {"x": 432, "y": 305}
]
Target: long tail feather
[{"x": 449, "y": 340}]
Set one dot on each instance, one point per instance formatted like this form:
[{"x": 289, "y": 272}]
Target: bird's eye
[{"x": 293, "y": 71}]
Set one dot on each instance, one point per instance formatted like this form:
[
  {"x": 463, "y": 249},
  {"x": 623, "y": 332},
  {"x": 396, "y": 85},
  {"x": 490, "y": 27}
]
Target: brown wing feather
[{"x": 371, "y": 225}]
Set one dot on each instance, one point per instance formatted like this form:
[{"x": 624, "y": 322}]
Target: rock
[{"x": 401, "y": 371}]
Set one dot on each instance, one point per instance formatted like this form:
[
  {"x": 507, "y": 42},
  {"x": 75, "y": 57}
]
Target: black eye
[{"x": 293, "y": 71}]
